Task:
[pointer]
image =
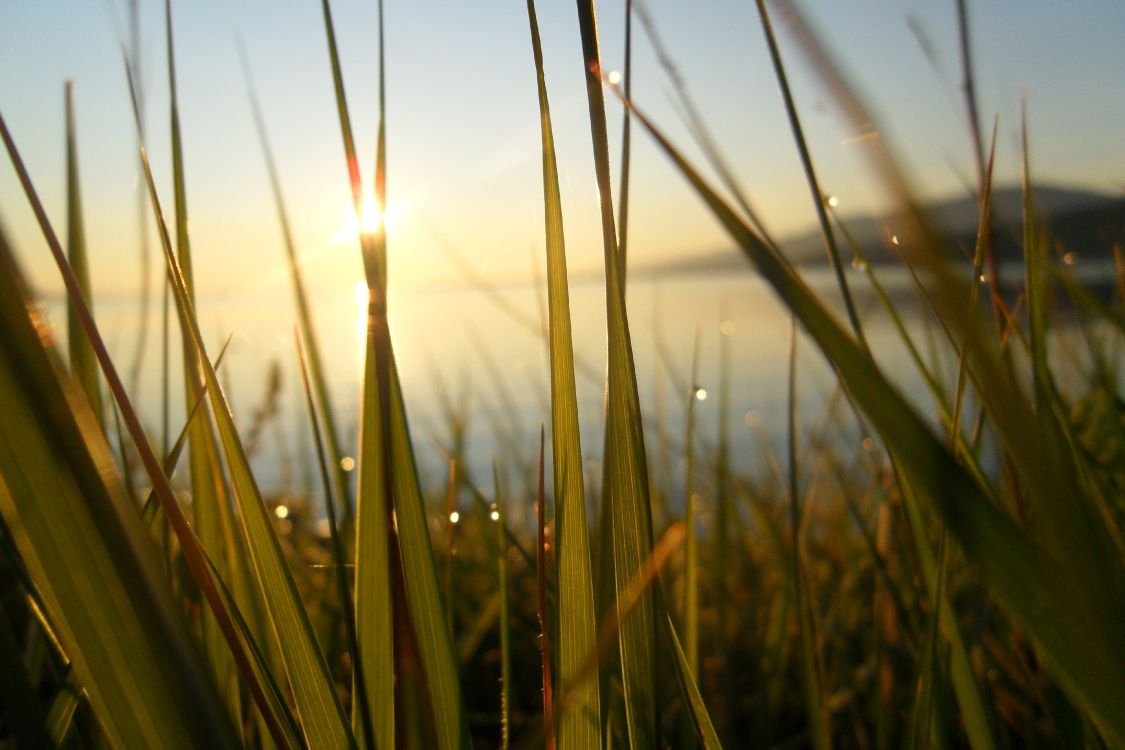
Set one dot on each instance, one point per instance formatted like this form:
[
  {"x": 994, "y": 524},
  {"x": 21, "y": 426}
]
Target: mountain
[{"x": 1083, "y": 221}]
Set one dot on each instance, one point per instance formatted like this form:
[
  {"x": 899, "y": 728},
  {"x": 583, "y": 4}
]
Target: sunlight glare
[{"x": 370, "y": 220}]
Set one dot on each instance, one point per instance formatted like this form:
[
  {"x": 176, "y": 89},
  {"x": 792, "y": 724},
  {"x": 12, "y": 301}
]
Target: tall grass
[{"x": 949, "y": 585}]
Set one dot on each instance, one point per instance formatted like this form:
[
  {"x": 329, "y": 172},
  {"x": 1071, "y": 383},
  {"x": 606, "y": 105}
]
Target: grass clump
[{"x": 949, "y": 585}]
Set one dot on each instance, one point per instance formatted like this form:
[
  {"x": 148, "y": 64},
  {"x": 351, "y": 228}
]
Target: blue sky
[{"x": 464, "y": 163}]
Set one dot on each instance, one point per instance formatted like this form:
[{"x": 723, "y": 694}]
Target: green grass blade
[
  {"x": 581, "y": 726},
  {"x": 209, "y": 496},
  {"x": 83, "y": 364},
  {"x": 505, "y": 616},
  {"x": 691, "y": 547},
  {"x": 541, "y": 602},
  {"x": 322, "y": 717},
  {"x": 708, "y": 737},
  {"x": 423, "y": 595},
  {"x": 810, "y": 656},
  {"x": 1036, "y": 585},
  {"x": 626, "y": 474},
  {"x": 304, "y": 312},
  {"x": 189, "y": 544},
  {"x": 87, "y": 553},
  {"x": 383, "y": 391},
  {"x": 818, "y": 197},
  {"x": 373, "y": 598},
  {"x": 339, "y": 563}
]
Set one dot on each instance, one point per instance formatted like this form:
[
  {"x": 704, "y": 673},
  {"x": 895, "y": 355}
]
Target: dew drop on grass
[{"x": 347, "y": 463}]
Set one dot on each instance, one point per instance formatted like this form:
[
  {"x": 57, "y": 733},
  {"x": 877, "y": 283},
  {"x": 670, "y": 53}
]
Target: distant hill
[{"x": 1086, "y": 222}]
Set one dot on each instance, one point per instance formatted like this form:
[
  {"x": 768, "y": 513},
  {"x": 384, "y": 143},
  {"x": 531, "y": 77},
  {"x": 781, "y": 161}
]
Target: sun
[{"x": 371, "y": 219}]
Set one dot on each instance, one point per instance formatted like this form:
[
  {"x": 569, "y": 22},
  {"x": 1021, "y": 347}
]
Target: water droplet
[
  {"x": 347, "y": 463},
  {"x": 833, "y": 201},
  {"x": 281, "y": 511},
  {"x": 614, "y": 77},
  {"x": 494, "y": 515},
  {"x": 454, "y": 517},
  {"x": 700, "y": 394},
  {"x": 1070, "y": 258}
]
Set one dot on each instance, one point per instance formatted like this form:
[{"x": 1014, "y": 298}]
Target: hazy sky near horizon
[{"x": 463, "y": 140}]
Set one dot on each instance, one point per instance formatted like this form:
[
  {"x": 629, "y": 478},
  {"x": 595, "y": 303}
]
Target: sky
[{"x": 463, "y": 130}]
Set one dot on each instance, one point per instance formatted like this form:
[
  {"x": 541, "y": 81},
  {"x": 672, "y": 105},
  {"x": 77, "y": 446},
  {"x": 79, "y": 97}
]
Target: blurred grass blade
[
  {"x": 304, "y": 313},
  {"x": 541, "y": 602},
  {"x": 505, "y": 615},
  {"x": 26, "y": 720},
  {"x": 691, "y": 548},
  {"x": 581, "y": 726},
  {"x": 83, "y": 364},
  {"x": 1036, "y": 585},
  {"x": 87, "y": 553},
  {"x": 60, "y": 716},
  {"x": 810, "y": 656},
  {"x": 626, "y": 474}
]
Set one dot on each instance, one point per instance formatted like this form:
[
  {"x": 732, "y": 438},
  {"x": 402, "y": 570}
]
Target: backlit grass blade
[
  {"x": 423, "y": 595},
  {"x": 581, "y": 726},
  {"x": 383, "y": 392},
  {"x": 818, "y": 197},
  {"x": 708, "y": 737},
  {"x": 1021, "y": 571},
  {"x": 811, "y": 680},
  {"x": 209, "y": 501},
  {"x": 691, "y": 547},
  {"x": 83, "y": 364},
  {"x": 304, "y": 312},
  {"x": 541, "y": 602},
  {"x": 86, "y": 551},
  {"x": 339, "y": 562},
  {"x": 322, "y": 718},
  {"x": 189, "y": 544},
  {"x": 505, "y": 615},
  {"x": 626, "y": 473},
  {"x": 976, "y": 724}
]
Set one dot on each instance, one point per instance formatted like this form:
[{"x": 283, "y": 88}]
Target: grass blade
[
  {"x": 86, "y": 551},
  {"x": 363, "y": 705},
  {"x": 1022, "y": 572},
  {"x": 580, "y": 727},
  {"x": 189, "y": 543},
  {"x": 83, "y": 364},
  {"x": 708, "y": 737},
  {"x": 541, "y": 602},
  {"x": 505, "y": 615},
  {"x": 383, "y": 391},
  {"x": 626, "y": 474},
  {"x": 691, "y": 547},
  {"x": 304, "y": 313},
  {"x": 321, "y": 715}
]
